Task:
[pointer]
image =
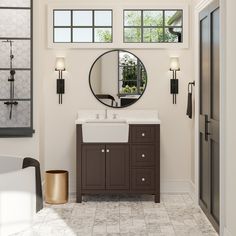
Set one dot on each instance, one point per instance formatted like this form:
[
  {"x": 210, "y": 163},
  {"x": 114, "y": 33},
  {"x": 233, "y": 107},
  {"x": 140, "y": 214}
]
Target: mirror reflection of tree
[{"x": 132, "y": 75}]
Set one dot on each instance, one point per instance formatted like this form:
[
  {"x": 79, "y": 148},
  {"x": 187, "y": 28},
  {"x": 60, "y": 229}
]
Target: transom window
[
  {"x": 153, "y": 26},
  {"x": 82, "y": 26}
]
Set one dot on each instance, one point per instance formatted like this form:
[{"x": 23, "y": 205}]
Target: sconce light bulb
[
  {"x": 174, "y": 63},
  {"x": 60, "y": 63}
]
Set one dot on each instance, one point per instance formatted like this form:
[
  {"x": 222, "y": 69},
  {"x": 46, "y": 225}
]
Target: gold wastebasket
[{"x": 56, "y": 186}]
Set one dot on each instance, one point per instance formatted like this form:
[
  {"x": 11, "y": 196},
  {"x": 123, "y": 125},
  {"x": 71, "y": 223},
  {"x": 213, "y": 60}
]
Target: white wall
[
  {"x": 96, "y": 77},
  {"x": 59, "y": 127},
  {"x": 109, "y": 74}
]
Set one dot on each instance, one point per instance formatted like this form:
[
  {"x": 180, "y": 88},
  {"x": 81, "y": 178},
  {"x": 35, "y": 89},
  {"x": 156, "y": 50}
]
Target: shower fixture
[{"x": 11, "y": 101}]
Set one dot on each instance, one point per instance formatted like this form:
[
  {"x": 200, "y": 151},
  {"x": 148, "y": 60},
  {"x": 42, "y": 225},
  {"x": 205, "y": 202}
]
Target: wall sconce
[
  {"x": 174, "y": 83},
  {"x": 60, "y": 67}
]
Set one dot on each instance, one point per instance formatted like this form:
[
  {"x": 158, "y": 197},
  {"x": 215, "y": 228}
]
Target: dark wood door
[
  {"x": 209, "y": 113},
  {"x": 93, "y": 166},
  {"x": 117, "y": 166}
]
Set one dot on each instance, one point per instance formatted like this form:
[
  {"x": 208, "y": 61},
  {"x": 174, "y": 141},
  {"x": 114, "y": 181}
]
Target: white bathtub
[{"x": 17, "y": 195}]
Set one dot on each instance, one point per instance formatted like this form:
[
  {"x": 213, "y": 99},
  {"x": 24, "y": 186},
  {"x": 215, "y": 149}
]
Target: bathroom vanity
[{"x": 112, "y": 165}]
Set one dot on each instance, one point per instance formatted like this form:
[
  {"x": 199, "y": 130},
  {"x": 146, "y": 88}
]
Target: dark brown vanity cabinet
[
  {"x": 93, "y": 166},
  {"x": 105, "y": 167},
  {"x": 132, "y": 167}
]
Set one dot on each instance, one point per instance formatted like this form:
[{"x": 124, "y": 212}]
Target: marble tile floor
[{"x": 176, "y": 215}]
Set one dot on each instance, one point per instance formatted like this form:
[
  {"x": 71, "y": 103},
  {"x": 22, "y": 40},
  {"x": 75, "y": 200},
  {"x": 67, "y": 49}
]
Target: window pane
[
  {"x": 62, "y": 35},
  {"x": 132, "y": 35},
  {"x": 152, "y": 35},
  {"x": 173, "y": 18},
  {"x": 83, "y": 35},
  {"x": 21, "y": 117},
  {"x": 102, "y": 35},
  {"x": 173, "y": 35},
  {"x": 132, "y": 18},
  {"x": 21, "y": 51},
  {"x": 22, "y": 84},
  {"x": 82, "y": 18},
  {"x": 102, "y": 18},
  {"x": 152, "y": 18},
  {"x": 15, "y": 3},
  {"x": 14, "y": 23},
  {"x": 62, "y": 18}
]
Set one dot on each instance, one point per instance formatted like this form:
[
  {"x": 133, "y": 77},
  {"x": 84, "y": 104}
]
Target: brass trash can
[{"x": 56, "y": 186}]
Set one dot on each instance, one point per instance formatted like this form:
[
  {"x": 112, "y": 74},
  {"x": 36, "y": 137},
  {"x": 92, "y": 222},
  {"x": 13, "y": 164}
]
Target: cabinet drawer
[
  {"x": 143, "y": 155},
  {"x": 143, "y": 134},
  {"x": 143, "y": 179}
]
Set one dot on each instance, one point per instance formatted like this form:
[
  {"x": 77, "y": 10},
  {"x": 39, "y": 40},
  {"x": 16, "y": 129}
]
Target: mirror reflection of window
[
  {"x": 118, "y": 78},
  {"x": 132, "y": 75}
]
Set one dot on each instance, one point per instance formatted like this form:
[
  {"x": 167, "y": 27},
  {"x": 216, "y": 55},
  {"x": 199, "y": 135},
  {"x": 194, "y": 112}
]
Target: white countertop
[
  {"x": 128, "y": 116},
  {"x": 128, "y": 121}
]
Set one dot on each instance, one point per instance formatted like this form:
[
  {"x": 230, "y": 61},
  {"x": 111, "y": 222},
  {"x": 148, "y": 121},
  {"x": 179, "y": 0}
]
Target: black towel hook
[{"x": 190, "y": 86}]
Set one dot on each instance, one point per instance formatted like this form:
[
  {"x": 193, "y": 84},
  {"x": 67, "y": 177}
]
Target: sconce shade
[
  {"x": 174, "y": 63},
  {"x": 60, "y": 63}
]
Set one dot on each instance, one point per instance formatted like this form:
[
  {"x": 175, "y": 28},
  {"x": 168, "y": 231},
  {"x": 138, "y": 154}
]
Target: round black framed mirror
[{"x": 118, "y": 78}]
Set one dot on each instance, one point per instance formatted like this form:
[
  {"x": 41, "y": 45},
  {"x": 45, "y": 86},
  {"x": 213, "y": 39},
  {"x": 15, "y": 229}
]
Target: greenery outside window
[
  {"x": 153, "y": 26},
  {"x": 132, "y": 75},
  {"x": 82, "y": 26}
]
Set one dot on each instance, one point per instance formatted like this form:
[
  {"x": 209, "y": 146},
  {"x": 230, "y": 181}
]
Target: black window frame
[
  {"x": 93, "y": 27},
  {"x": 14, "y": 132},
  {"x": 164, "y": 27}
]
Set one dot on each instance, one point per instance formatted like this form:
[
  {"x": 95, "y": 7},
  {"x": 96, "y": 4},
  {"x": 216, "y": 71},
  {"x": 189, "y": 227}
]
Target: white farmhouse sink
[{"x": 105, "y": 131}]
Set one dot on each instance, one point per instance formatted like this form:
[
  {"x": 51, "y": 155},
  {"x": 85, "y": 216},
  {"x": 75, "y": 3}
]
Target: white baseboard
[
  {"x": 178, "y": 186},
  {"x": 227, "y": 233},
  {"x": 168, "y": 186}
]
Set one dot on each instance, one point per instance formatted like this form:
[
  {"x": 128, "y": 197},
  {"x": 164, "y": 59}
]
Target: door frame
[{"x": 198, "y": 8}]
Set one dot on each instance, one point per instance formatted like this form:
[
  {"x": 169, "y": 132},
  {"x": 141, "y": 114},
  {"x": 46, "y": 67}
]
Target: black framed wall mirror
[{"x": 118, "y": 78}]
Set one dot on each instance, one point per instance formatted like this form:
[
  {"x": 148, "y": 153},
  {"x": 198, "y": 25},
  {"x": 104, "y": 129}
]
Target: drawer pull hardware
[
  {"x": 108, "y": 150},
  {"x": 143, "y": 134},
  {"x": 143, "y": 179},
  {"x": 143, "y": 155},
  {"x": 103, "y": 150}
]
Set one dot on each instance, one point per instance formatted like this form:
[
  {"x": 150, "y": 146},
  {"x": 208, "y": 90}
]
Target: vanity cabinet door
[
  {"x": 117, "y": 167},
  {"x": 93, "y": 166}
]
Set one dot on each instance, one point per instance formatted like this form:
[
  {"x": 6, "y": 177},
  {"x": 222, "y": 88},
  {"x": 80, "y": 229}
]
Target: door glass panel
[
  {"x": 15, "y": 3},
  {"x": 21, "y": 116},
  {"x": 14, "y": 23}
]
